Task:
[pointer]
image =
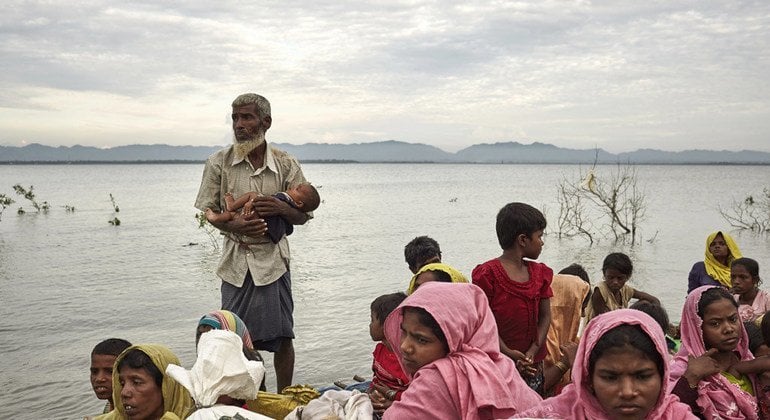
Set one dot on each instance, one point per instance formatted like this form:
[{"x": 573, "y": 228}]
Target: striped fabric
[{"x": 226, "y": 320}]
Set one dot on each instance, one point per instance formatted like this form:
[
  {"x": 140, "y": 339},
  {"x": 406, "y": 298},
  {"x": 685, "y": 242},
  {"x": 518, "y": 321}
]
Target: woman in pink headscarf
[
  {"x": 620, "y": 371},
  {"x": 703, "y": 378},
  {"x": 449, "y": 347}
]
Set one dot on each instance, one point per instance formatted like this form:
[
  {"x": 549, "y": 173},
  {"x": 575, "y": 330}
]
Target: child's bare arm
[
  {"x": 543, "y": 322},
  {"x": 638, "y": 294},
  {"x": 233, "y": 205},
  {"x": 600, "y": 306},
  {"x": 755, "y": 366}
]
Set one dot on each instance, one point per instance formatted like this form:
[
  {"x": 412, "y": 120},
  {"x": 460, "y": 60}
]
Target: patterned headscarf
[
  {"x": 226, "y": 320},
  {"x": 714, "y": 268}
]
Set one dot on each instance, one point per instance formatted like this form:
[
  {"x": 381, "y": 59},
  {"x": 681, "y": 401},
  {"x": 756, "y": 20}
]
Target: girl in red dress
[{"x": 519, "y": 289}]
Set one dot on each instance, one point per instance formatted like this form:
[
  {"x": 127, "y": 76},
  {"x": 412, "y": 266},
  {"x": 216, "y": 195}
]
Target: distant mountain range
[{"x": 383, "y": 151}]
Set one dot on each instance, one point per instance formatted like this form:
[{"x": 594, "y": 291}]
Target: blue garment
[
  {"x": 277, "y": 226},
  {"x": 698, "y": 277}
]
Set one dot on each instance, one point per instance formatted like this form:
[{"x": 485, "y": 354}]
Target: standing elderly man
[{"x": 256, "y": 283}]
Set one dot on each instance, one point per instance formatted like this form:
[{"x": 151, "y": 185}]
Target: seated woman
[
  {"x": 141, "y": 390},
  {"x": 713, "y": 341},
  {"x": 620, "y": 372},
  {"x": 449, "y": 347},
  {"x": 744, "y": 277},
  {"x": 714, "y": 270}
]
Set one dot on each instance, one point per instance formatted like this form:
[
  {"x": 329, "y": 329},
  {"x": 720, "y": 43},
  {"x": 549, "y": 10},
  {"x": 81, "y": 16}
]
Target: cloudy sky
[{"x": 615, "y": 74}]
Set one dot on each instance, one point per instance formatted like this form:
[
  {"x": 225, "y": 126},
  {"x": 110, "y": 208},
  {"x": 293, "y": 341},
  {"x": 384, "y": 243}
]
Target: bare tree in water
[
  {"x": 602, "y": 202},
  {"x": 750, "y": 213}
]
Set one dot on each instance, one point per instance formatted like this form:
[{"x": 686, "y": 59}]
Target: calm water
[{"x": 69, "y": 280}]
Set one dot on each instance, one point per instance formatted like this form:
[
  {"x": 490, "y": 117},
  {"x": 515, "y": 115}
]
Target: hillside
[{"x": 385, "y": 151}]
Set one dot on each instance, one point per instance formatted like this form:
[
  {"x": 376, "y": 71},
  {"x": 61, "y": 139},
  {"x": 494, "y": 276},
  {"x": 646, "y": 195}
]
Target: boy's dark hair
[
  {"x": 625, "y": 335},
  {"x": 419, "y": 250},
  {"x": 515, "y": 219},
  {"x": 385, "y": 304},
  {"x": 313, "y": 200},
  {"x": 576, "y": 270},
  {"x": 619, "y": 261},
  {"x": 137, "y": 359},
  {"x": 111, "y": 346},
  {"x": 656, "y": 312}
]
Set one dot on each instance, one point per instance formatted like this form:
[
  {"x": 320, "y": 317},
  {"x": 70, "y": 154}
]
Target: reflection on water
[{"x": 69, "y": 280}]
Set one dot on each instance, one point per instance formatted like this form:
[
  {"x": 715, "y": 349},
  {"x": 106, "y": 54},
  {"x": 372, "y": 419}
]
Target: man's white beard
[{"x": 241, "y": 149}]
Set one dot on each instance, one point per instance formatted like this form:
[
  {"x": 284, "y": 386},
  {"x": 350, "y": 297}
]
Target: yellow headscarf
[
  {"x": 456, "y": 276},
  {"x": 176, "y": 400},
  {"x": 714, "y": 268}
]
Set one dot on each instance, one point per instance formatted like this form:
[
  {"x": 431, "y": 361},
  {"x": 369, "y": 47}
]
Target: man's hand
[
  {"x": 266, "y": 206},
  {"x": 248, "y": 225},
  {"x": 271, "y": 206}
]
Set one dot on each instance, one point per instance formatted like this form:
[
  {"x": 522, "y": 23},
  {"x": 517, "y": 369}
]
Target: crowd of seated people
[{"x": 516, "y": 341}]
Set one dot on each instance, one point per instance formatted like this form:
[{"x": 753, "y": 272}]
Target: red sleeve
[
  {"x": 546, "y": 274},
  {"x": 482, "y": 276}
]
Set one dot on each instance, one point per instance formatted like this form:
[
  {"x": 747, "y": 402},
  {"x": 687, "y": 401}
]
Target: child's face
[
  {"x": 721, "y": 329},
  {"x": 741, "y": 279},
  {"x": 375, "y": 328},
  {"x": 299, "y": 194},
  {"x": 101, "y": 375},
  {"x": 626, "y": 383},
  {"x": 419, "y": 345},
  {"x": 533, "y": 245},
  {"x": 615, "y": 279}
]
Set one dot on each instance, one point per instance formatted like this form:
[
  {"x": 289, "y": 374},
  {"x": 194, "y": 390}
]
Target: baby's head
[
  {"x": 617, "y": 269},
  {"x": 305, "y": 196},
  {"x": 381, "y": 308},
  {"x": 102, "y": 358}
]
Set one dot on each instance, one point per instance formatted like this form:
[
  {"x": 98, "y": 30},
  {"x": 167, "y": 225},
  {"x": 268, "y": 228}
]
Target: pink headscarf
[
  {"x": 577, "y": 401},
  {"x": 481, "y": 382},
  {"x": 717, "y": 397}
]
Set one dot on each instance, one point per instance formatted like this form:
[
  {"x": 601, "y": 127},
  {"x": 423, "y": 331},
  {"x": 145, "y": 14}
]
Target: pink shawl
[
  {"x": 474, "y": 380},
  {"x": 577, "y": 401},
  {"x": 717, "y": 397}
]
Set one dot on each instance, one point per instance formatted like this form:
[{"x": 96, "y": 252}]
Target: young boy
[
  {"x": 613, "y": 293},
  {"x": 420, "y": 251},
  {"x": 303, "y": 197},
  {"x": 102, "y": 358},
  {"x": 519, "y": 289},
  {"x": 389, "y": 380}
]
